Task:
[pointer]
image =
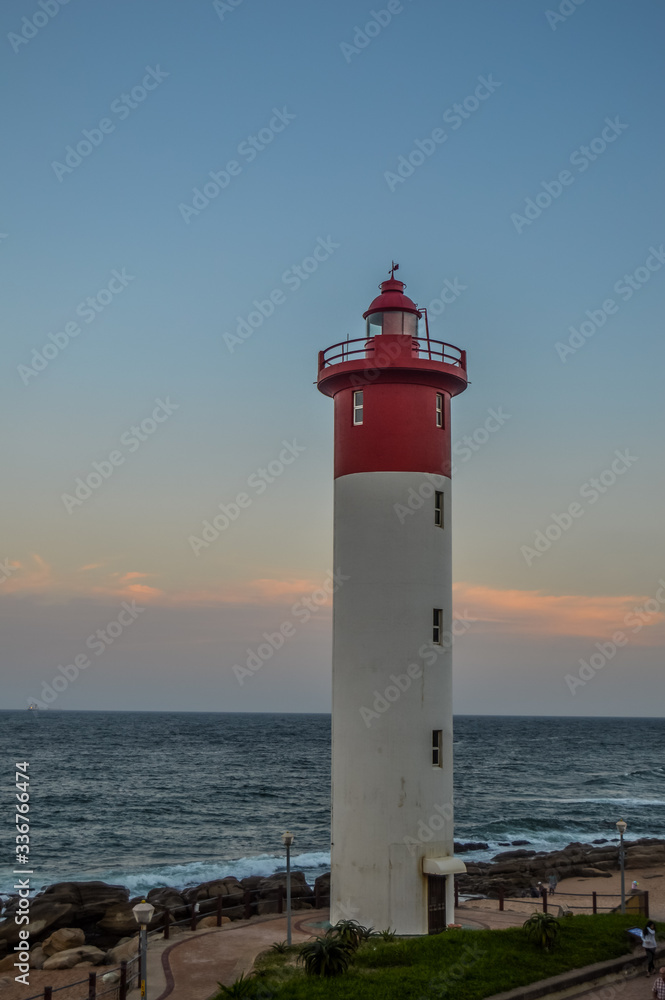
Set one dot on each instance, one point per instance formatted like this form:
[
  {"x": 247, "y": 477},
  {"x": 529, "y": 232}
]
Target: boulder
[
  {"x": 62, "y": 940},
  {"x": 37, "y": 958},
  {"x": 268, "y": 887},
  {"x": 507, "y": 855},
  {"x": 166, "y": 897},
  {"x": 594, "y": 873},
  {"x": 251, "y": 881},
  {"x": 91, "y": 900},
  {"x": 7, "y": 964},
  {"x": 75, "y": 956},
  {"x": 471, "y": 846},
  {"x": 225, "y": 887},
  {"x": 322, "y": 885},
  {"x": 126, "y": 950},
  {"x": 211, "y": 922},
  {"x": 229, "y": 886},
  {"x": 44, "y": 913},
  {"x": 119, "y": 919}
]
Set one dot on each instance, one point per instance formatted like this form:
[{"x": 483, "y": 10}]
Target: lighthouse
[{"x": 392, "y": 858}]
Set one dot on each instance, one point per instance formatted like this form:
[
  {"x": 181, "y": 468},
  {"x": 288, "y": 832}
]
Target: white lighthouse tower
[{"x": 392, "y": 764}]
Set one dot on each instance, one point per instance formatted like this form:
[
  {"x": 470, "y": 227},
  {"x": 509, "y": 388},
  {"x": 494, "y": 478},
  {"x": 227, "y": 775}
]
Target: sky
[{"x": 168, "y": 169}]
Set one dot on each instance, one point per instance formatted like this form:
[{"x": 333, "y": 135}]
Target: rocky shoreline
[
  {"x": 515, "y": 873},
  {"x": 91, "y": 923}
]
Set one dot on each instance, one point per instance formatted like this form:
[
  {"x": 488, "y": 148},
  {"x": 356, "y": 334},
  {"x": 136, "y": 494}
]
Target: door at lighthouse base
[{"x": 436, "y": 903}]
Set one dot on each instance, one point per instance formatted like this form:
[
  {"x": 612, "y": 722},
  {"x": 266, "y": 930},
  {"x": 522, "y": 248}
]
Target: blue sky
[{"x": 348, "y": 117}]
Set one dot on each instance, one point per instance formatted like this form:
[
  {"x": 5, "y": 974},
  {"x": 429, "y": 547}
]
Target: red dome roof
[{"x": 391, "y": 299}]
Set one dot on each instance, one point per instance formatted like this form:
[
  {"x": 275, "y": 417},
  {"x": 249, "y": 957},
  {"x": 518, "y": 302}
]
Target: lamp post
[
  {"x": 621, "y": 827},
  {"x": 287, "y": 840},
  {"x": 143, "y": 912}
]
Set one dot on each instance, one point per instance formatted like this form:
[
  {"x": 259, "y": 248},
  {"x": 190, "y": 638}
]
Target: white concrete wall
[{"x": 385, "y": 790}]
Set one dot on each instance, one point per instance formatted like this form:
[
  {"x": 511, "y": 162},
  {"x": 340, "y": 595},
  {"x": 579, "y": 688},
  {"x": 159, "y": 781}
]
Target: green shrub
[
  {"x": 243, "y": 987},
  {"x": 542, "y": 929},
  {"x": 350, "y": 932},
  {"x": 326, "y": 956}
]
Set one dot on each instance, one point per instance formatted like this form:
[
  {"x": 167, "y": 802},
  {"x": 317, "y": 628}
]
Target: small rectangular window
[
  {"x": 438, "y": 508},
  {"x": 358, "y": 407},
  {"x": 437, "y": 748},
  {"x": 437, "y": 625},
  {"x": 439, "y": 409}
]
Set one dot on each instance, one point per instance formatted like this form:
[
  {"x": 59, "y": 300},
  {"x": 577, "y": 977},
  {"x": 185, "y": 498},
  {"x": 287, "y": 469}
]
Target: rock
[
  {"x": 251, "y": 881},
  {"x": 90, "y": 899},
  {"x": 62, "y": 940},
  {"x": 471, "y": 846},
  {"x": 5, "y": 981},
  {"x": 224, "y": 887},
  {"x": 212, "y": 922},
  {"x": 127, "y": 949},
  {"x": 7, "y": 964},
  {"x": 322, "y": 884},
  {"x": 74, "y": 956},
  {"x": 504, "y": 843},
  {"x": 119, "y": 919},
  {"x": 268, "y": 887},
  {"x": 507, "y": 855},
  {"x": 520, "y": 843},
  {"x": 601, "y": 840},
  {"x": 44, "y": 913},
  {"x": 37, "y": 958},
  {"x": 166, "y": 897},
  {"x": 594, "y": 873}
]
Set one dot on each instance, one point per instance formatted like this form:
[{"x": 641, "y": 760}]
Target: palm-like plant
[
  {"x": 241, "y": 988},
  {"x": 281, "y": 947},
  {"x": 542, "y": 929},
  {"x": 326, "y": 956},
  {"x": 350, "y": 932},
  {"x": 387, "y": 934}
]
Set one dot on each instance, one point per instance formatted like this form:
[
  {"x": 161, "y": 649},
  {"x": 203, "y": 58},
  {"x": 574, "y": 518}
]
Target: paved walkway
[
  {"x": 190, "y": 967},
  {"x": 638, "y": 988}
]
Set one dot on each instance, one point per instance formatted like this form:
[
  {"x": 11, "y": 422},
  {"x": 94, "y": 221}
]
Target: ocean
[{"x": 175, "y": 798}]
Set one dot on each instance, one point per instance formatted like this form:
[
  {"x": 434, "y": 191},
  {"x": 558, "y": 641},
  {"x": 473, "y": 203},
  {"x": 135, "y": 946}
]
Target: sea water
[{"x": 175, "y": 798}]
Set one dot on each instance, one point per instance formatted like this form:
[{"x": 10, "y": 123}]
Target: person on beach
[
  {"x": 553, "y": 880},
  {"x": 649, "y": 945},
  {"x": 659, "y": 986}
]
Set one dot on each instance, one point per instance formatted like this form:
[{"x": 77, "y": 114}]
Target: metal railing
[
  {"x": 434, "y": 350},
  {"x": 127, "y": 979},
  {"x": 636, "y": 902}
]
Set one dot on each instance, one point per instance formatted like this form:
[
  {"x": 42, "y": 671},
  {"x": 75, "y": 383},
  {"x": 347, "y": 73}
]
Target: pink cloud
[{"x": 533, "y": 612}]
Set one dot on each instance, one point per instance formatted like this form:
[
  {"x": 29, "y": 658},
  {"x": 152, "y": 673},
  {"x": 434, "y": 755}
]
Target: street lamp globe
[
  {"x": 287, "y": 839},
  {"x": 622, "y": 826},
  {"x": 143, "y": 912}
]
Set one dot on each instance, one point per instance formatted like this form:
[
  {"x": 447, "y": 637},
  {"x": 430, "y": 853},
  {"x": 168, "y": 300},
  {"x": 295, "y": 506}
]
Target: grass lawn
[{"x": 460, "y": 964}]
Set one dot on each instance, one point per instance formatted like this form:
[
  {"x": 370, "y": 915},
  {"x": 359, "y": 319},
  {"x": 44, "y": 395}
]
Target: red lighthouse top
[
  {"x": 392, "y": 390},
  {"x": 392, "y": 297}
]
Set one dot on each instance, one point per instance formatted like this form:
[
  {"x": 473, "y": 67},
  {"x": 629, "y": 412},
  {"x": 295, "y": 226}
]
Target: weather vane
[{"x": 395, "y": 267}]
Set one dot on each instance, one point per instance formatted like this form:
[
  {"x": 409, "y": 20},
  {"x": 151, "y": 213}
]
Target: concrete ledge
[{"x": 576, "y": 977}]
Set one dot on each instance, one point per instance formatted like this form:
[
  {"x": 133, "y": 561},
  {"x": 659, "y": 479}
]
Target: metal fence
[
  {"x": 636, "y": 902},
  {"x": 112, "y": 989}
]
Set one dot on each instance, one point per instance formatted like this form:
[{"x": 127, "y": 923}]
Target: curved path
[{"x": 193, "y": 965}]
